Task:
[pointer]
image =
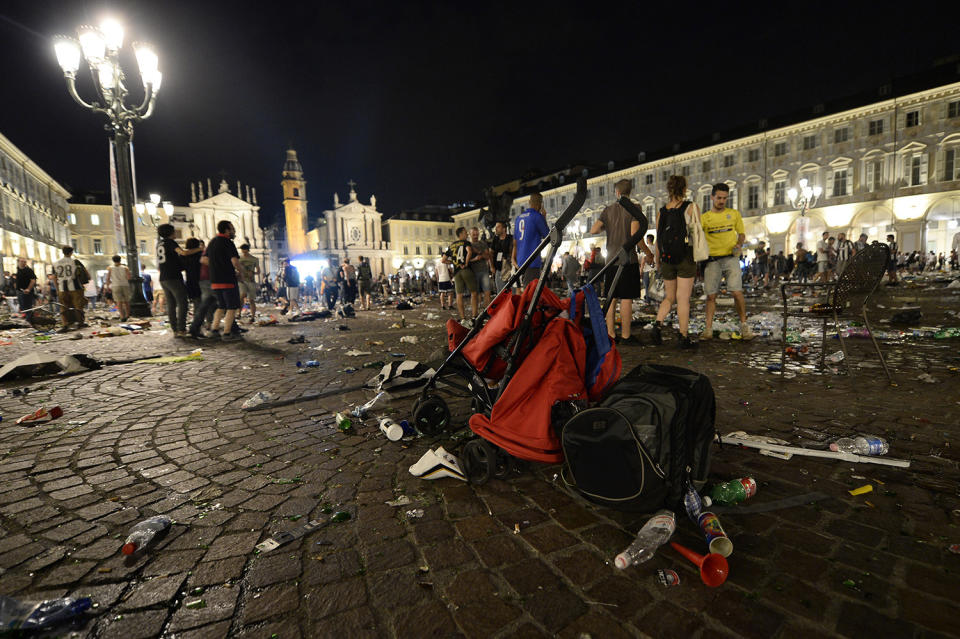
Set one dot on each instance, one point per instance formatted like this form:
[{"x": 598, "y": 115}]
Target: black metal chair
[{"x": 846, "y": 297}]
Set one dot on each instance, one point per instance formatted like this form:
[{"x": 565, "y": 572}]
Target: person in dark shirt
[
  {"x": 460, "y": 253},
  {"x": 224, "y": 263},
  {"x": 171, "y": 278},
  {"x": 191, "y": 268},
  {"x": 26, "y": 288},
  {"x": 502, "y": 249}
]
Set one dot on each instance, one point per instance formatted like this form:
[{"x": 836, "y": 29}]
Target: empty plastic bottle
[
  {"x": 694, "y": 503},
  {"x": 17, "y": 615},
  {"x": 145, "y": 532},
  {"x": 733, "y": 492},
  {"x": 862, "y": 445},
  {"x": 654, "y": 534}
]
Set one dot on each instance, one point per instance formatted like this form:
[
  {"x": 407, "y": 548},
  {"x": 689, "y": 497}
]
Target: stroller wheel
[
  {"x": 478, "y": 459},
  {"x": 431, "y": 415},
  {"x": 503, "y": 464}
]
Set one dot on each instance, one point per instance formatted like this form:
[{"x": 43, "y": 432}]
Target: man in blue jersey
[{"x": 529, "y": 229}]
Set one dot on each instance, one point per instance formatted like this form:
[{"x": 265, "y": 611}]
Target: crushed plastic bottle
[
  {"x": 25, "y": 615},
  {"x": 383, "y": 397},
  {"x": 261, "y": 397},
  {"x": 733, "y": 492},
  {"x": 862, "y": 445},
  {"x": 145, "y": 532},
  {"x": 654, "y": 534},
  {"x": 694, "y": 503}
]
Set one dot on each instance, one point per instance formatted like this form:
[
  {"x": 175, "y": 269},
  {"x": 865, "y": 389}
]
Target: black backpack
[
  {"x": 672, "y": 234},
  {"x": 651, "y": 435}
]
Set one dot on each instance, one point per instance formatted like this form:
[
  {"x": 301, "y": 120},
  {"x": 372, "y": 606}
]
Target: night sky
[{"x": 430, "y": 102}]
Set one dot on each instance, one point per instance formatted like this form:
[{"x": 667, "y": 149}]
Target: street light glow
[
  {"x": 112, "y": 32},
  {"x": 68, "y": 54},
  {"x": 91, "y": 41},
  {"x": 147, "y": 59}
]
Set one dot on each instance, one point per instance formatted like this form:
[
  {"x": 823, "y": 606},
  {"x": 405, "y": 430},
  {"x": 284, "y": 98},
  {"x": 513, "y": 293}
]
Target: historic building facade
[
  {"x": 888, "y": 167},
  {"x": 417, "y": 238},
  {"x": 94, "y": 237},
  {"x": 33, "y": 212}
]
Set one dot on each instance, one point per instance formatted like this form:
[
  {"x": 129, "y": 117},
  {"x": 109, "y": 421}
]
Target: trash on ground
[
  {"x": 41, "y": 416},
  {"x": 437, "y": 465},
  {"x": 658, "y": 529},
  {"x": 299, "y": 339},
  {"x": 26, "y": 615},
  {"x": 195, "y": 604},
  {"x": 195, "y": 355},
  {"x": 400, "y": 375},
  {"x": 355, "y": 353},
  {"x": 862, "y": 490},
  {"x": 383, "y": 397},
  {"x": 143, "y": 533},
  {"x": 668, "y": 577},
  {"x": 391, "y": 429},
  {"x": 260, "y": 397},
  {"x": 868, "y": 445},
  {"x": 39, "y": 365},
  {"x": 282, "y": 538},
  {"x": 713, "y": 567},
  {"x": 835, "y": 358},
  {"x": 374, "y": 342},
  {"x": 716, "y": 538},
  {"x": 735, "y": 439},
  {"x": 343, "y": 422},
  {"x": 927, "y": 378},
  {"x": 409, "y": 339},
  {"x": 402, "y": 500},
  {"x": 734, "y": 492},
  {"x": 310, "y": 363},
  {"x": 416, "y": 513}
]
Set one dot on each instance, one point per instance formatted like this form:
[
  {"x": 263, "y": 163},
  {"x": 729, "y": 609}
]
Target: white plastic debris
[
  {"x": 259, "y": 398},
  {"x": 408, "y": 339}
]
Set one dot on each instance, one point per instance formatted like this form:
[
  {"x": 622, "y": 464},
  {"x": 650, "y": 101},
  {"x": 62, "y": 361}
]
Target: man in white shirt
[
  {"x": 823, "y": 258},
  {"x": 70, "y": 291}
]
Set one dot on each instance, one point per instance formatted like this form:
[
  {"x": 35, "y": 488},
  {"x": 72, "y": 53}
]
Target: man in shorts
[
  {"x": 70, "y": 291},
  {"x": 761, "y": 262},
  {"x": 331, "y": 290},
  {"x": 349, "y": 281},
  {"x": 250, "y": 267},
  {"x": 620, "y": 225},
  {"x": 224, "y": 263},
  {"x": 501, "y": 249},
  {"x": 480, "y": 264},
  {"x": 444, "y": 285},
  {"x": 529, "y": 229},
  {"x": 460, "y": 253},
  {"x": 823, "y": 258},
  {"x": 723, "y": 228},
  {"x": 291, "y": 279}
]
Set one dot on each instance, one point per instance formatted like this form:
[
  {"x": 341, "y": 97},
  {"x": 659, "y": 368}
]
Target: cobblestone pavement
[{"x": 141, "y": 439}]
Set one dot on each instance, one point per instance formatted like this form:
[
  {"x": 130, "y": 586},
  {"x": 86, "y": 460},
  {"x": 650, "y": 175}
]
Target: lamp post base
[{"x": 139, "y": 306}]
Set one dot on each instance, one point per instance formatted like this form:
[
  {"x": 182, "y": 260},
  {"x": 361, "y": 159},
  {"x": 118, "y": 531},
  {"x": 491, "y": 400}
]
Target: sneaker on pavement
[
  {"x": 230, "y": 337},
  {"x": 706, "y": 335},
  {"x": 656, "y": 335},
  {"x": 686, "y": 343},
  {"x": 197, "y": 335}
]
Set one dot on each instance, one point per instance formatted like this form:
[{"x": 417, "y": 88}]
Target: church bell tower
[{"x": 295, "y": 203}]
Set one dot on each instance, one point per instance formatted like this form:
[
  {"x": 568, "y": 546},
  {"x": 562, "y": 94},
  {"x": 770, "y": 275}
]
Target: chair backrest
[{"x": 860, "y": 278}]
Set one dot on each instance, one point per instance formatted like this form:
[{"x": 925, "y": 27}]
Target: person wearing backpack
[
  {"x": 71, "y": 276},
  {"x": 365, "y": 282},
  {"x": 620, "y": 226},
  {"x": 725, "y": 237},
  {"x": 674, "y": 258}
]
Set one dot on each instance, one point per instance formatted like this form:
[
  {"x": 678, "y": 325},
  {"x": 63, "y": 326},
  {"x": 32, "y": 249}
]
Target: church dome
[{"x": 292, "y": 165}]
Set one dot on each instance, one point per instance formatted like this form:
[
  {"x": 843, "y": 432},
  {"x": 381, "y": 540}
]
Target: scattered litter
[
  {"x": 862, "y": 490},
  {"x": 928, "y": 378},
  {"x": 282, "y": 538},
  {"x": 355, "y": 353},
  {"x": 736, "y": 439},
  {"x": 391, "y": 429},
  {"x": 196, "y": 355},
  {"x": 416, "y": 513},
  {"x": 361, "y": 411},
  {"x": 343, "y": 422},
  {"x": 437, "y": 465},
  {"x": 401, "y": 374},
  {"x": 668, "y": 577},
  {"x": 196, "y": 604},
  {"x": 409, "y": 339},
  {"x": 24, "y": 615},
  {"x": 374, "y": 342},
  {"x": 343, "y": 327},
  {"x": 310, "y": 363},
  {"x": 144, "y": 532},
  {"x": 835, "y": 358},
  {"x": 431, "y": 316},
  {"x": 299, "y": 339},
  {"x": 38, "y": 365},
  {"x": 41, "y": 416},
  {"x": 516, "y": 529},
  {"x": 402, "y": 500},
  {"x": 261, "y": 397},
  {"x": 954, "y": 548}
]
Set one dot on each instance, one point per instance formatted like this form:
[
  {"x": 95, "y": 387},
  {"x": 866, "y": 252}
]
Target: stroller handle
[
  {"x": 635, "y": 213},
  {"x": 574, "y": 207}
]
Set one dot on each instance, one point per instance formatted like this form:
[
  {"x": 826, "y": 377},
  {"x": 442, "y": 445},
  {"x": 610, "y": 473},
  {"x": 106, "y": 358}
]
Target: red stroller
[{"x": 530, "y": 362}]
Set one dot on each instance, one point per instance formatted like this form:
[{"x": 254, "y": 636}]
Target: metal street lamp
[
  {"x": 805, "y": 198},
  {"x": 101, "y": 49}
]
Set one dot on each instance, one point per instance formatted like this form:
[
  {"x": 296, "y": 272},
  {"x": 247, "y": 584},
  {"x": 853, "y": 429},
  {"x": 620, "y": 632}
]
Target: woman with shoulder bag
[{"x": 677, "y": 224}]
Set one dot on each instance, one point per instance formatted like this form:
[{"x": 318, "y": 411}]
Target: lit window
[
  {"x": 94, "y": 219},
  {"x": 73, "y": 218},
  {"x": 98, "y": 247},
  {"x": 779, "y": 189}
]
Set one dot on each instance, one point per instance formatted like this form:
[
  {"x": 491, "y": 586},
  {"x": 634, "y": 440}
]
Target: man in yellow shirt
[{"x": 723, "y": 228}]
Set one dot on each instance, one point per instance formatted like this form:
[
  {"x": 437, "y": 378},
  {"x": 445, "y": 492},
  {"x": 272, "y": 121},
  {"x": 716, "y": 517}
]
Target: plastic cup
[
  {"x": 713, "y": 533},
  {"x": 713, "y": 567}
]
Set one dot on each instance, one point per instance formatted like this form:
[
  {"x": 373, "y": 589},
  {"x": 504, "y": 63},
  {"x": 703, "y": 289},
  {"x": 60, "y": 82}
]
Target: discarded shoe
[{"x": 41, "y": 415}]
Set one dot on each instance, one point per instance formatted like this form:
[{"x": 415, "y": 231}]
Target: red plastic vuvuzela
[{"x": 713, "y": 567}]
